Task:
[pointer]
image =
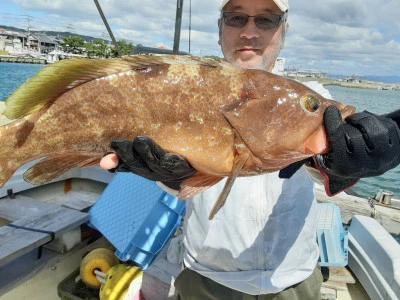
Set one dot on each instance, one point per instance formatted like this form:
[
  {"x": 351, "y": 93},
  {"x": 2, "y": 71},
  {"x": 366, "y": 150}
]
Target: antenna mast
[
  {"x": 108, "y": 27},
  {"x": 178, "y": 22}
]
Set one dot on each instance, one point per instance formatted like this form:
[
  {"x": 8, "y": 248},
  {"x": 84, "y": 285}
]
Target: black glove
[
  {"x": 145, "y": 158},
  {"x": 288, "y": 171},
  {"x": 366, "y": 145}
]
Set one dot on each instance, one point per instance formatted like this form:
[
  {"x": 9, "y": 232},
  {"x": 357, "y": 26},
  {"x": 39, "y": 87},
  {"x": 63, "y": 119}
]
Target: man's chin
[
  {"x": 248, "y": 64},
  {"x": 248, "y": 59}
]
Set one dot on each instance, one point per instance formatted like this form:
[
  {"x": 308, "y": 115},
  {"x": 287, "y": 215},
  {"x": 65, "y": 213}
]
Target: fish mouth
[
  {"x": 346, "y": 111},
  {"x": 318, "y": 141}
]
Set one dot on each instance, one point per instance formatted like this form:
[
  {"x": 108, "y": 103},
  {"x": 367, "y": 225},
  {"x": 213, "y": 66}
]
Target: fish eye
[{"x": 310, "y": 103}]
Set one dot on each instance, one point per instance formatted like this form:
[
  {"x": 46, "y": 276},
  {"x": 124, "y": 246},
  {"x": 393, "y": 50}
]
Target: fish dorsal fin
[{"x": 56, "y": 79}]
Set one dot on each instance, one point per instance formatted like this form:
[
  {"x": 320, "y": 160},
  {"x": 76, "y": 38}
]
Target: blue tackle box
[
  {"x": 137, "y": 217},
  {"x": 332, "y": 237}
]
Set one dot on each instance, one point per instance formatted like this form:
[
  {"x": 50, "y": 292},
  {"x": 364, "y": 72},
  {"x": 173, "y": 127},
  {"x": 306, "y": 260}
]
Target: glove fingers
[
  {"x": 160, "y": 162},
  {"x": 123, "y": 148},
  {"x": 128, "y": 158},
  {"x": 337, "y": 135},
  {"x": 157, "y": 159},
  {"x": 333, "y": 122},
  {"x": 147, "y": 149},
  {"x": 145, "y": 158},
  {"x": 374, "y": 132},
  {"x": 176, "y": 163},
  {"x": 395, "y": 116}
]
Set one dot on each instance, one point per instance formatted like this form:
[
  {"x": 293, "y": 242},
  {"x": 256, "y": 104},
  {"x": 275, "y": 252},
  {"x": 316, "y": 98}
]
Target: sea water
[
  {"x": 376, "y": 101},
  {"x": 14, "y": 74}
]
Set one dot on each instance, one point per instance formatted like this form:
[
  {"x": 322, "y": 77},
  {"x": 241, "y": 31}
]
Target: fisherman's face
[{"x": 251, "y": 47}]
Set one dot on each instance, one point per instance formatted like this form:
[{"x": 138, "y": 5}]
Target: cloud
[
  {"x": 363, "y": 35},
  {"x": 335, "y": 36}
]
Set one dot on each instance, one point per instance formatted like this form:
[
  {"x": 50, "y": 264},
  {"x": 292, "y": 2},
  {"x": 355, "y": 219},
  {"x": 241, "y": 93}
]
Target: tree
[
  {"x": 97, "y": 48},
  {"x": 124, "y": 47},
  {"x": 73, "y": 44},
  {"x": 213, "y": 57}
]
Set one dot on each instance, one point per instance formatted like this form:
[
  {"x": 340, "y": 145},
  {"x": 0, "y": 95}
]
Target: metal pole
[
  {"x": 108, "y": 27},
  {"x": 190, "y": 21},
  {"x": 178, "y": 22}
]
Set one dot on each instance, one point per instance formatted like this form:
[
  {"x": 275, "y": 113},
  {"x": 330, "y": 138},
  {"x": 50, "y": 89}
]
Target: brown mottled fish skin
[{"x": 207, "y": 112}]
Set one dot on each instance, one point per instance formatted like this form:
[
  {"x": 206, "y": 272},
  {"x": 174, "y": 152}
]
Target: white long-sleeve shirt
[{"x": 263, "y": 239}]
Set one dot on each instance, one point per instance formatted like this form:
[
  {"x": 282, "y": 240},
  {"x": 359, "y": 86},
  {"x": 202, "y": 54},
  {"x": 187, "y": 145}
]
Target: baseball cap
[{"x": 282, "y": 4}]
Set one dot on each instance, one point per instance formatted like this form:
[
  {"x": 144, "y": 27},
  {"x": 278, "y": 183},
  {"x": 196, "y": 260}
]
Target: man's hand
[
  {"x": 145, "y": 158},
  {"x": 366, "y": 145}
]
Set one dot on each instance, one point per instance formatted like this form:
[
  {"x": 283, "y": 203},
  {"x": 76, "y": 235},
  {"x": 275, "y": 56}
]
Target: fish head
[{"x": 282, "y": 124}]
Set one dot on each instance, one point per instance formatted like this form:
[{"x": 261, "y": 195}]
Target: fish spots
[
  {"x": 113, "y": 80},
  {"x": 281, "y": 101},
  {"x": 23, "y": 133},
  {"x": 276, "y": 88},
  {"x": 240, "y": 146},
  {"x": 153, "y": 71},
  {"x": 196, "y": 118},
  {"x": 155, "y": 126},
  {"x": 176, "y": 73},
  {"x": 226, "y": 130},
  {"x": 178, "y": 126}
]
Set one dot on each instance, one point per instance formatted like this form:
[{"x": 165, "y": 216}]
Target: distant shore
[
  {"x": 19, "y": 59},
  {"x": 329, "y": 81}
]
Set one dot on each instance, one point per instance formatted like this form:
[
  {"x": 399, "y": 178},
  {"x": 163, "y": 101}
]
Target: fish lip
[{"x": 347, "y": 111}]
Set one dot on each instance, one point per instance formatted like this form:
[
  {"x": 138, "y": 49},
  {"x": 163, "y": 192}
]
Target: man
[{"x": 262, "y": 243}]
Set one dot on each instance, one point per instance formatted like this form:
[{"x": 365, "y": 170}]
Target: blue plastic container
[
  {"x": 331, "y": 236},
  {"x": 137, "y": 217}
]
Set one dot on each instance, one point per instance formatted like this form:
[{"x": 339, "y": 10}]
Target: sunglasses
[{"x": 263, "y": 21}]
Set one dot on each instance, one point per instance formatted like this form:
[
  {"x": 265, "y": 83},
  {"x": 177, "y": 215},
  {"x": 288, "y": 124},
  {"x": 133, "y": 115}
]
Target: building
[
  {"x": 12, "y": 41},
  {"x": 311, "y": 73},
  {"x": 19, "y": 43},
  {"x": 46, "y": 43},
  {"x": 279, "y": 66}
]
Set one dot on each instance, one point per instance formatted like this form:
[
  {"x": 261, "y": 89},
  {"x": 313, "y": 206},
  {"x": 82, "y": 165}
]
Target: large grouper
[{"x": 225, "y": 121}]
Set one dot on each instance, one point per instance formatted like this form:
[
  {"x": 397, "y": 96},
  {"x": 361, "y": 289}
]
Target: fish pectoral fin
[
  {"x": 53, "y": 166},
  {"x": 196, "y": 184},
  {"x": 94, "y": 162},
  {"x": 238, "y": 164}
]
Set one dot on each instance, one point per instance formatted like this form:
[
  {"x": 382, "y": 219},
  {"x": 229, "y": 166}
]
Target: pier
[{"x": 25, "y": 60}]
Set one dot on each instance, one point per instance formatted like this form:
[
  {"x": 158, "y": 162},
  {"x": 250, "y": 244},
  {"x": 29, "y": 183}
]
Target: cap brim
[{"x": 281, "y": 4}]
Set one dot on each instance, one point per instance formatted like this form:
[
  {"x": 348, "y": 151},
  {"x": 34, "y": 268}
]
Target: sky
[{"x": 360, "y": 37}]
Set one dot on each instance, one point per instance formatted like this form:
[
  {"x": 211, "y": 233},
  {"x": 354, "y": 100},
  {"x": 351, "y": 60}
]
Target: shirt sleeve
[
  {"x": 315, "y": 175},
  {"x": 319, "y": 88}
]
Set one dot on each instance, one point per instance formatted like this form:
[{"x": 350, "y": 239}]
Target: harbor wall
[{"x": 26, "y": 60}]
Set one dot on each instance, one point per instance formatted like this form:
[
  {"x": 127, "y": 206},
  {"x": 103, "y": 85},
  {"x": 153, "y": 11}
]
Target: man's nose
[{"x": 250, "y": 30}]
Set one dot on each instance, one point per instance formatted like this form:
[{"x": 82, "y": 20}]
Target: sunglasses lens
[
  {"x": 235, "y": 19},
  {"x": 263, "y": 21},
  {"x": 267, "y": 21}
]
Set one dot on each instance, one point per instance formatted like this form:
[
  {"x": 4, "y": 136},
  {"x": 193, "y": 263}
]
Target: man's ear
[
  {"x": 283, "y": 37},
  {"x": 219, "y": 30}
]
